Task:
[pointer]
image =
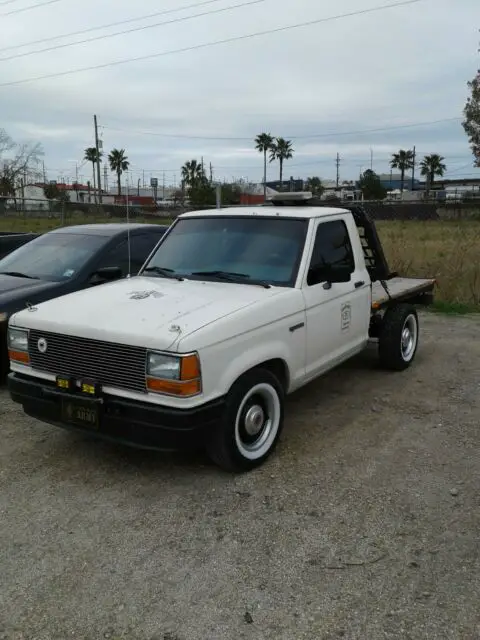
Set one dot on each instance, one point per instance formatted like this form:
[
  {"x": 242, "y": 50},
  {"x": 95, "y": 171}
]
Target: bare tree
[{"x": 19, "y": 164}]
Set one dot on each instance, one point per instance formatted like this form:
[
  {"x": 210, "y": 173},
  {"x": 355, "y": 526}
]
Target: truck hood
[{"x": 142, "y": 311}]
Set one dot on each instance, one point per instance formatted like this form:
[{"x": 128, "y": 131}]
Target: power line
[
  {"x": 380, "y": 129},
  {"x": 303, "y": 137},
  {"x": 461, "y": 168},
  {"x": 209, "y": 44},
  {"x": 31, "y": 6},
  {"x": 134, "y": 29},
  {"x": 108, "y": 25}
]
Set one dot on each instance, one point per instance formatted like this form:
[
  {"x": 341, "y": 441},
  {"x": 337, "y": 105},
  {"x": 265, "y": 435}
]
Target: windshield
[
  {"x": 255, "y": 248},
  {"x": 53, "y": 256}
]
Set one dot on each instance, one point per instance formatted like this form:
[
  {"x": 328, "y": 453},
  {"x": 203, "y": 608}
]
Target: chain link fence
[{"x": 42, "y": 215}]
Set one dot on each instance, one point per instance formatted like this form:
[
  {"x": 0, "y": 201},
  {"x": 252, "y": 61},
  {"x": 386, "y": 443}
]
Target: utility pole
[
  {"x": 337, "y": 163},
  {"x": 413, "y": 166},
  {"x": 163, "y": 187},
  {"x": 371, "y": 159},
  {"x": 97, "y": 147},
  {"x": 211, "y": 173},
  {"x": 44, "y": 175}
]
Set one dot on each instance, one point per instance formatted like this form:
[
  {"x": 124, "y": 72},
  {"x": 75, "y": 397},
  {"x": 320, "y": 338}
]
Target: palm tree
[
  {"x": 118, "y": 164},
  {"x": 93, "y": 156},
  {"x": 192, "y": 173},
  {"x": 263, "y": 144},
  {"x": 432, "y": 166},
  {"x": 403, "y": 160},
  {"x": 314, "y": 184},
  {"x": 281, "y": 150}
]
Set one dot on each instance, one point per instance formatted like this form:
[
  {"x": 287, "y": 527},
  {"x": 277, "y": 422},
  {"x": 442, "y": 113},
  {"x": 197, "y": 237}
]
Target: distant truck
[
  {"x": 234, "y": 310},
  {"x": 10, "y": 240}
]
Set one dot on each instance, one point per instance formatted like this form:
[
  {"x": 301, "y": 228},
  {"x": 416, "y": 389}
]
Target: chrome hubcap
[
  {"x": 409, "y": 338},
  {"x": 254, "y": 420},
  {"x": 258, "y": 420}
]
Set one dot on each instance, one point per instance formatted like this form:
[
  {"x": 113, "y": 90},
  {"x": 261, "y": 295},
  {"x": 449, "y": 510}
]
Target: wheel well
[{"x": 279, "y": 368}]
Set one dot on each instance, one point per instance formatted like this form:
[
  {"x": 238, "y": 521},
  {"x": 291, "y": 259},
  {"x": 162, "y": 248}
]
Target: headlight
[
  {"x": 173, "y": 375},
  {"x": 18, "y": 345},
  {"x": 3, "y": 317},
  {"x": 163, "y": 366}
]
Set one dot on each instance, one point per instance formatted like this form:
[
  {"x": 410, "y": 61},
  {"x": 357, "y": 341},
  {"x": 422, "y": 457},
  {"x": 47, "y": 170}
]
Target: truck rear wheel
[
  {"x": 398, "y": 340},
  {"x": 251, "y": 424}
]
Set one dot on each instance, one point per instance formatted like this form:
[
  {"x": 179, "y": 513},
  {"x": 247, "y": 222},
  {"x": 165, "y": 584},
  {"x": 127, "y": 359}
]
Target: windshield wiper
[
  {"x": 232, "y": 276},
  {"x": 165, "y": 272},
  {"x": 18, "y": 274}
]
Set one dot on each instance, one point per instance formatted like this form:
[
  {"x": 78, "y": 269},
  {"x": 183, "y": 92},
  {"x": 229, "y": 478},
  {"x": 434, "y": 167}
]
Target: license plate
[{"x": 82, "y": 413}]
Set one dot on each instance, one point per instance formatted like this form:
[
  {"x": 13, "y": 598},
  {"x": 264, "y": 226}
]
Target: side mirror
[{"x": 105, "y": 274}]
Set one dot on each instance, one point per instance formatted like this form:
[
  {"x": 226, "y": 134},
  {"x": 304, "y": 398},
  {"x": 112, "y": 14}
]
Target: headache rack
[{"x": 374, "y": 255}]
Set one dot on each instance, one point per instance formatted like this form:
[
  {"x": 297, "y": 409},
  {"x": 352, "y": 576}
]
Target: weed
[{"x": 448, "y": 250}]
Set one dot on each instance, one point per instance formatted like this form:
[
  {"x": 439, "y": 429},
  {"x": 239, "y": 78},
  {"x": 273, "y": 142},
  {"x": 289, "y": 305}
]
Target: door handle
[{"x": 359, "y": 284}]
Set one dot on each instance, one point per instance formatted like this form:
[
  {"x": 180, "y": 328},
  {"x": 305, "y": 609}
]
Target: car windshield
[
  {"x": 53, "y": 256},
  {"x": 249, "y": 248}
]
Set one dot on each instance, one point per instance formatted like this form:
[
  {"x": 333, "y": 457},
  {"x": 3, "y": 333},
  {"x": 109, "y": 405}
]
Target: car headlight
[
  {"x": 173, "y": 375},
  {"x": 160, "y": 365},
  {"x": 3, "y": 317},
  {"x": 18, "y": 345}
]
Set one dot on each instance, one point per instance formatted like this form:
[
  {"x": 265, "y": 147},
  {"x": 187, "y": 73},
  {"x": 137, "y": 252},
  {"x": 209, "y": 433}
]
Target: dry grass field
[
  {"x": 42, "y": 224},
  {"x": 448, "y": 250}
]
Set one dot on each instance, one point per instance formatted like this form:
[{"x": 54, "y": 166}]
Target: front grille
[{"x": 107, "y": 363}]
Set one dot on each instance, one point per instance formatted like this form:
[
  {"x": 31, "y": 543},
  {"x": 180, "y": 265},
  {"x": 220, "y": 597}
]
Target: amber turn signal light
[
  {"x": 174, "y": 387},
  {"x": 19, "y": 356}
]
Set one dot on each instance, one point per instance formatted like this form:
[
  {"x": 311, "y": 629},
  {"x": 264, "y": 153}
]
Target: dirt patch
[{"x": 364, "y": 524}]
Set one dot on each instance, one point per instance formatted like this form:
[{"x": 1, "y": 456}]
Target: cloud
[{"x": 375, "y": 70}]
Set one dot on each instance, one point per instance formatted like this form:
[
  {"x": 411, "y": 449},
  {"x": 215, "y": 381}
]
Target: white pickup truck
[{"x": 233, "y": 310}]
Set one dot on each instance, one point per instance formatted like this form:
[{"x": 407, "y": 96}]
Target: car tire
[
  {"x": 398, "y": 339},
  {"x": 251, "y": 424}
]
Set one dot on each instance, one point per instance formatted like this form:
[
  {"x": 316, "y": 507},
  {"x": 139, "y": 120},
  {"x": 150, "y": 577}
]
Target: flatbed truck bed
[{"x": 414, "y": 290}]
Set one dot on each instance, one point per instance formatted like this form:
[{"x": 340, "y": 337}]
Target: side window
[
  {"x": 140, "y": 248},
  {"x": 332, "y": 249},
  {"x": 117, "y": 256}
]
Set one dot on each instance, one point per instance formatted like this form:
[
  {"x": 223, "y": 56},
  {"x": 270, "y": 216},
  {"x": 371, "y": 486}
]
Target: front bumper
[{"x": 137, "y": 424}]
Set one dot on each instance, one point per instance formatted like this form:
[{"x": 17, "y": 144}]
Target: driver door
[{"x": 337, "y": 313}]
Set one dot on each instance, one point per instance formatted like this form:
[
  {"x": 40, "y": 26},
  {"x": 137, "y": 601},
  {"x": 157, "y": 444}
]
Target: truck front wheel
[
  {"x": 252, "y": 422},
  {"x": 398, "y": 340}
]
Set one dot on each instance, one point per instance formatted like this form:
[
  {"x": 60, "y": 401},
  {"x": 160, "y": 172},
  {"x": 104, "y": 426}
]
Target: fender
[{"x": 252, "y": 357}]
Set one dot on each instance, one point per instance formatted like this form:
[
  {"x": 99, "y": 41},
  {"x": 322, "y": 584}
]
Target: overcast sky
[{"x": 384, "y": 69}]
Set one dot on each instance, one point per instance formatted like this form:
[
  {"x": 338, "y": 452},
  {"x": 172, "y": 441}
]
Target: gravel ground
[{"x": 365, "y": 524}]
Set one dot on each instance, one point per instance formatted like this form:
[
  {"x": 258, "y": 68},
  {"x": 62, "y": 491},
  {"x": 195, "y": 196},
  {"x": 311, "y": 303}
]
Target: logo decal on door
[{"x": 346, "y": 316}]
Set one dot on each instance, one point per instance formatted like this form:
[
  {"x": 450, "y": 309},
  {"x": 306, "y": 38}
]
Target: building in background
[{"x": 393, "y": 181}]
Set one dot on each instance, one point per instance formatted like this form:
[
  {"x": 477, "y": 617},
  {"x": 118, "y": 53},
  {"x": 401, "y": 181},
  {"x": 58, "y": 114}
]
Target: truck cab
[{"x": 233, "y": 310}]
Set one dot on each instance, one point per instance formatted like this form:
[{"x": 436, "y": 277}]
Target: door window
[
  {"x": 141, "y": 246},
  {"x": 332, "y": 249},
  {"x": 117, "y": 256}
]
